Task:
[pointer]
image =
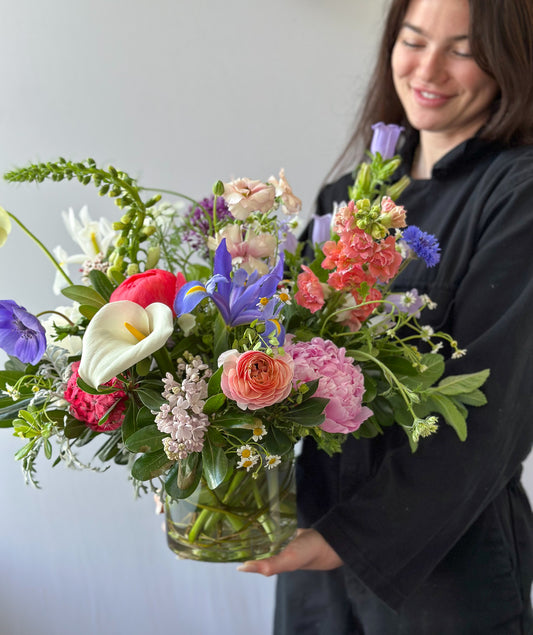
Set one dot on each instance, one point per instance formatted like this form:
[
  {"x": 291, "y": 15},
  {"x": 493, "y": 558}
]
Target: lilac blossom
[{"x": 21, "y": 333}]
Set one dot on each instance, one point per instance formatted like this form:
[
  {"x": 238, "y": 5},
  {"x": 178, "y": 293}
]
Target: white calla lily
[
  {"x": 5, "y": 225},
  {"x": 120, "y": 335}
]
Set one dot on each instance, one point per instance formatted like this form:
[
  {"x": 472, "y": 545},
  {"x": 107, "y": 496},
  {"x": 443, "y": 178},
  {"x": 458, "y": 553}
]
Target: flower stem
[{"x": 41, "y": 245}]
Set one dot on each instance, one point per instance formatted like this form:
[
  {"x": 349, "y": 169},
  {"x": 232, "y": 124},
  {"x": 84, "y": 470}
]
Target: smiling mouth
[{"x": 429, "y": 96}]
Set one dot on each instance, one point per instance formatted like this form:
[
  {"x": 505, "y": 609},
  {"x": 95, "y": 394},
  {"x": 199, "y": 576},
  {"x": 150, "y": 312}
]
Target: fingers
[{"x": 308, "y": 550}]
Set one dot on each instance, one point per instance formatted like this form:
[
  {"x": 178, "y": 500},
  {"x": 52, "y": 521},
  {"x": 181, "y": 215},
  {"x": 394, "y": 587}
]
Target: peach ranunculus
[
  {"x": 244, "y": 196},
  {"x": 254, "y": 379},
  {"x": 247, "y": 252},
  {"x": 310, "y": 292},
  {"x": 290, "y": 204}
]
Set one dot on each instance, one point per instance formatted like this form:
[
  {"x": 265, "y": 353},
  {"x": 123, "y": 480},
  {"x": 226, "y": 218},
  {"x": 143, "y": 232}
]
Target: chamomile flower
[
  {"x": 460, "y": 352},
  {"x": 428, "y": 302},
  {"x": 272, "y": 461},
  {"x": 245, "y": 451},
  {"x": 426, "y": 333},
  {"x": 248, "y": 462},
  {"x": 258, "y": 431}
]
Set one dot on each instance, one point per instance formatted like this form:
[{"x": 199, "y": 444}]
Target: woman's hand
[{"x": 307, "y": 551}]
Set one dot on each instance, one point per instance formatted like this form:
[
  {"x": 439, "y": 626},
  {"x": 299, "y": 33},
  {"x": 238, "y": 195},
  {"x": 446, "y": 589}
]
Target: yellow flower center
[
  {"x": 246, "y": 453},
  {"x": 135, "y": 332},
  {"x": 94, "y": 242},
  {"x": 284, "y": 297},
  {"x": 263, "y": 301},
  {"x": 258, "y": 432}
]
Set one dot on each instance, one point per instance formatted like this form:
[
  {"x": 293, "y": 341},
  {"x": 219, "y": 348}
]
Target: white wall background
[{"x": 179, "y": 94}]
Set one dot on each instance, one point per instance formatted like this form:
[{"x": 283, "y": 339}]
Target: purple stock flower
[
  {"x": 21, "y": 333},
  {"x": 321, "y": 228},
  {"x": 425, "y": 246},
  {"x": 198, "y": 218},
  {"x": 385, "y": 139}
]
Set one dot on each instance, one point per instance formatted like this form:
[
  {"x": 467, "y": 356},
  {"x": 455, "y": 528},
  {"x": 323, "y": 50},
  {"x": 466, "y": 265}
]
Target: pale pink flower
[
  {"x": 244, "y": 196},
  {"x": 247, "y": 251},
  {"x": 310, "y": 292},
  {"x": 392, "y": 215},
  {"x": 344, "y": 218},
  {"x": 254, "y": 379},
  {"x": 290, "y": 204},
  {"x": 340, "y": 380}
]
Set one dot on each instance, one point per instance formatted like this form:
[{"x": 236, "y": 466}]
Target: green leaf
[
  {"x": 101, "y": 283},
  {"x": 474, "y": 398},
  {"x": 215, "y": 463},
  {"x": 87, "y": 311},
  {"x": 220, "y": 343},
  {"x": 149, "y": 466},
  {"x": 371, "y": 389},
  {"x": 74, "y": 429},
  {"x": 459, "y": 384},
  {"x": 84, "y": 295},
  {"x": 312, "y": 388},
  {"x": 189, "y": 482},
  {"x": 435, "y": 368},
  {"x": 144, "y": 417},
  {"x": 9, "y": 377},
  {"x": 104, "y": 390},
  {"x": 445, "y": 406},
  {"x": 129, "y": 424},
  {"x": 150, "y": 398},
  {"x": 213, "y": 387},
  {"x": 214, "y": 403},
  {"x": 369, "y": 429},
  {"x": 277, "y": 441},
  {"x": 234, "y": 420},
  {"x": 309, "y": 413},
  {"x": 147, "y": 439}
]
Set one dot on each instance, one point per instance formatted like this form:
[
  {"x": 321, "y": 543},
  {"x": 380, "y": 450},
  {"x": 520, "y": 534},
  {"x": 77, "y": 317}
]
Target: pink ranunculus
[
  {"x": 244, "y": 196},
  {"x": 154, "y": 285},
  {"x": 290, "y": 204},
  {"x": 91, "y": 408},
  {"x": 310, "y": 293},
  {"x": 254, "y": 379},
  {"x": 340, "y": 380},
  {"x": 344, "y": 218}
]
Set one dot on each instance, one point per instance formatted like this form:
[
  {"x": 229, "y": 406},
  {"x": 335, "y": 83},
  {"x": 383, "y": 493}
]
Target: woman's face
[{"x": 442, "y": 89}]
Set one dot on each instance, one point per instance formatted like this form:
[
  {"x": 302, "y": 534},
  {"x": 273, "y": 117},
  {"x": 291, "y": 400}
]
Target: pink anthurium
[{"x": 120, "y": 335}]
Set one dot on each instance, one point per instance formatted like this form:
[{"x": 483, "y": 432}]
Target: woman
[{"x": 439, "y": 542}]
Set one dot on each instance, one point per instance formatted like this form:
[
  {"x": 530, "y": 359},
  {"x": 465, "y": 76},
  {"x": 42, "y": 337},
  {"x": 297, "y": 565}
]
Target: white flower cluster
[{"x": 182, "y": 415}]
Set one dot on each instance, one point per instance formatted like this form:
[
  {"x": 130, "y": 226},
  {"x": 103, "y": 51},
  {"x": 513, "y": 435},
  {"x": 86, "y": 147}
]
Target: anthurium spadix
[{"x": 120, "y": 335}]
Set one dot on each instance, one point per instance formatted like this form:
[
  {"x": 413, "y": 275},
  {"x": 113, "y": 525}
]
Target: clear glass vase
[{"x": 244, "y": 518}]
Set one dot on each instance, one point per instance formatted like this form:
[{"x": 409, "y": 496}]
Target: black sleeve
[{"x": 395, "y": 527}]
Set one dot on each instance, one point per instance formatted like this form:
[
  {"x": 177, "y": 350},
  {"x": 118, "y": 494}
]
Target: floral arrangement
[{"x": 203, "y": 341}]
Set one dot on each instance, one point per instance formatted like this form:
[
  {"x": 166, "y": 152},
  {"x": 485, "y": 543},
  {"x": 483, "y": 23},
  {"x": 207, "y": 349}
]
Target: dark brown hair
[{"x": 501, "y": 40}]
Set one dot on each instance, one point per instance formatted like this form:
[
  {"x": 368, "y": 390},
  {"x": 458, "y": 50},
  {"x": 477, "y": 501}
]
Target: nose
[{"x": 431, "y": 65}]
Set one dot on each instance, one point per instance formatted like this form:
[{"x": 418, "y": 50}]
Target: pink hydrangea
[
  {"x": 91, "y": 408},
  {"x": 341, "y": 381}
]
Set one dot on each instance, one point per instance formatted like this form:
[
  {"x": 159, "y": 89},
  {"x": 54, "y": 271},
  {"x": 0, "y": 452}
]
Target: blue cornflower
[
  {"x": 425, "y": 246},
  {"x": 21, "y": 333}
]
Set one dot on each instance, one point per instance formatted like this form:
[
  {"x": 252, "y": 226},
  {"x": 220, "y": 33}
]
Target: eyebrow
[{"x": 416, "y": 29}]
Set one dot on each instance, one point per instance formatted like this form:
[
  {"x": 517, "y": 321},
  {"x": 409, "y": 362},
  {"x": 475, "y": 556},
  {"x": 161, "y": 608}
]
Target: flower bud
[
  {"x": 152, "y": 257},
  {"x": 218, "y": 188},
  {"x": 132, "y": 269}
]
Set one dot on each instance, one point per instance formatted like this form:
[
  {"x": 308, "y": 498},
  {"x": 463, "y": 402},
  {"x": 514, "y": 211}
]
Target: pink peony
[
  {"x": 254, "y": 379},
  {"x": 91, "y": 408},
  {"x": 341, "y": 382},
  {"x": 310, "y": 294},
  {"x": 154, "y": 285},
  {"x": 244, "y": 196}
]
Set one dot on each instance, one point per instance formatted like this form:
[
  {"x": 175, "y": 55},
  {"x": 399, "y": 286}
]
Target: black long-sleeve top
[{"x": 393, "y": 516}]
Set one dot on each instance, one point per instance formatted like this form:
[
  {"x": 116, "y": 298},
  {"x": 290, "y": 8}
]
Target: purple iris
[
  {"x": 21, "y": 333},
  {"x": 236, "y": 296},
  {"x": 385, "y": 139}
]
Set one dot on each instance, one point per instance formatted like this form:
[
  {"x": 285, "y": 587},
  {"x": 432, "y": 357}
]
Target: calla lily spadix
[{"x": 120, "y": 335}]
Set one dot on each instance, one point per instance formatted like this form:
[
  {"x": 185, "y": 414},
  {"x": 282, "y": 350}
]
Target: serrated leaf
[
  {"x": 458, "y": 384},
  {"x": 149, "y": 466},
  {"x": 435, "y": 368},
  {"x": 215, "y": 464},
  {"x": 84, "y": 295},
  {"x": 214, "y": 403},
  {"x": 147, "y": 439}
]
